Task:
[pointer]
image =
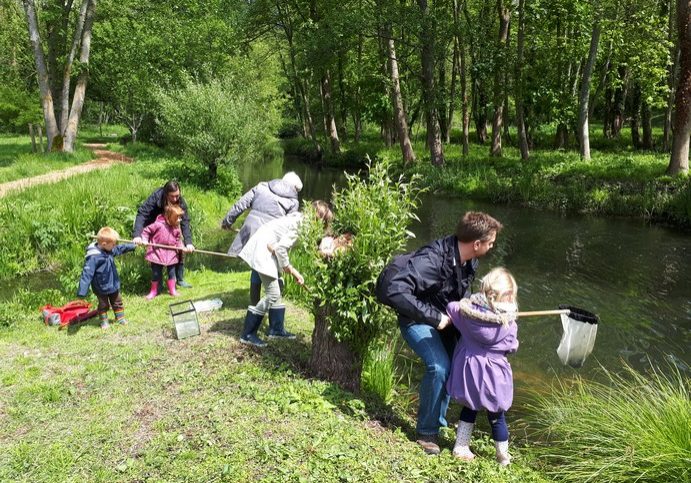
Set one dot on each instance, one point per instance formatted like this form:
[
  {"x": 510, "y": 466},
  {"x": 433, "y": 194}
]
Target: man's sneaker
[
  {"x": 105, "y": 324},
  {"x": 122, "y": 321},
  {"x": 183, "y": 284},
  {"x": 429, "y": 443},
  {"x": 252, "y": 339}
]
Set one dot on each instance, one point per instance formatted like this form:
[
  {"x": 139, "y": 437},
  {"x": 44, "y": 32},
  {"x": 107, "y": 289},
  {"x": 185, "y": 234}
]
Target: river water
[{"x": 636, "y": 277}]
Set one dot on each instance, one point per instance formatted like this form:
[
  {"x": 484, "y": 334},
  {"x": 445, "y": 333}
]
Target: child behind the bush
[{"x": 101, "y": 273}]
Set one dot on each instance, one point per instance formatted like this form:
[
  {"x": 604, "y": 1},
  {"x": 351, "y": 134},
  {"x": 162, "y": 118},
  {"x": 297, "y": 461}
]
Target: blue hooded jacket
[{"x": 99, "y": 270}]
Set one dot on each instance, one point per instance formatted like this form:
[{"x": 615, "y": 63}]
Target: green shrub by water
[{"x": 632, "y": 427}]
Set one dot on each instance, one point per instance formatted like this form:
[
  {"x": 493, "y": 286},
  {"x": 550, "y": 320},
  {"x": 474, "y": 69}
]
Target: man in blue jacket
[{"x": 419, "y": 286}]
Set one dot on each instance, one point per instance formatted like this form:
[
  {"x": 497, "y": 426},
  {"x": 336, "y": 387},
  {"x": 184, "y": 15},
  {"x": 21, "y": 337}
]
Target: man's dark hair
[{"x": 476, "y": 225}]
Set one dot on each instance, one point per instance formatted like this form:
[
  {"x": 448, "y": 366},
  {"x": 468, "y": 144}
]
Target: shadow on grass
[{"x": 294, "y": 356}]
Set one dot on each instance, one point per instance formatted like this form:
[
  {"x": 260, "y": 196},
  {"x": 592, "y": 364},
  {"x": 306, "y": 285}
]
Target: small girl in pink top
[{"x": 164, "y": 231}]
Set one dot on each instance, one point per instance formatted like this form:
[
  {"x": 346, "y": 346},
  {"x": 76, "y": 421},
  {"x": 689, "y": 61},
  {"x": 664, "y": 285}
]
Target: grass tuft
[{"x": 632, "y": 427}]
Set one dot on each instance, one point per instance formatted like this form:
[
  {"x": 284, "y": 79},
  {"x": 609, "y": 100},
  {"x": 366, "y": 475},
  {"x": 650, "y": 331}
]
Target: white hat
[{"x": 293, "y": 179}]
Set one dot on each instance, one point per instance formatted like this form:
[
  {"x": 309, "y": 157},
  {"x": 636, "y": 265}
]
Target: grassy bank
[
  {"x": 132, "y": 403},
  {"x": 618, "y": 181},
  {"x": 18, "y": 161}
]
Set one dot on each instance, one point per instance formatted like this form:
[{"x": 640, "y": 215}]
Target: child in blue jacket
[{"x": 100, "y": 272}]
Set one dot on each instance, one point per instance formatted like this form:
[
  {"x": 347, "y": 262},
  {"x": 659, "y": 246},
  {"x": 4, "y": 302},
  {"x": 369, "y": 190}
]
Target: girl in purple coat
[
  {"x": 164, "y": 231},
  {"x": 481, "y": 376}
]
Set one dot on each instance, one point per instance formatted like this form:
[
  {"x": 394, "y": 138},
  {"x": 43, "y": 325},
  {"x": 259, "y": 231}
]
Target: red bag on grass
[{"x": 70, "y": 313}]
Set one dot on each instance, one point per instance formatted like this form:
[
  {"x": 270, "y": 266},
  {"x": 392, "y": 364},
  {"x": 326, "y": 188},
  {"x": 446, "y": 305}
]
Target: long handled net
[{"x": 578, "y": 337}]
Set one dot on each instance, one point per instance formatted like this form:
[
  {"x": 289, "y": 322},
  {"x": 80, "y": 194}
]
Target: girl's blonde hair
[
  {"x": 499, "y": 286},
  {"x": 172, "y": 213}
]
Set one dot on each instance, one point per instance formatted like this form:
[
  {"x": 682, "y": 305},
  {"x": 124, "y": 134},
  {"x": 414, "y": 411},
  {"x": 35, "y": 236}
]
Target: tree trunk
[
  {"x": 636, "y": 116},
  {"x": 80, "y": 88},
  {"x": 332, "y": 360},
  {"x": 433, "y": 131},
  {"x": 671, "y": 75},
  {"x": 601, "y": 84},
  {"x": 76, "y": 39},
  {"x": 441, "y": 96},
  {"x": 520, "y": 114},
  {"x": 500, "y": 56},
  {"x": 329, "y": 119},
  {"x": 679, "y": 159},
  {"x": 343, "y": 130},
  {"x": 452, "y": 89},
  {"x": 464, "y": 104},
  {"x": 42, "y": 73},
  {"x": 583, "y": 130},
  {"x": 33, "y": 138},
  {"x": 40, "y": 138},
  {"x": 647, "y": 125},
  {"x": 620, "y": 101},
  {"x": 398, "y": 109}
]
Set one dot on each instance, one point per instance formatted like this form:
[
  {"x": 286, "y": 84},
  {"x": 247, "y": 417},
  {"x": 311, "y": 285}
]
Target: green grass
[
  {"x": 633, "y": 427},
  {"x": 17, "y": 161},
  {"x": 132, "y": 404}
]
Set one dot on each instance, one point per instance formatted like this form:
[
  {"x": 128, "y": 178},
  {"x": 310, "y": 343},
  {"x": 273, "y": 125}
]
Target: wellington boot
[
  {"x": 153, "y": 292},
  {"x": 171, "y": 288},
  {"x": 253, "y": 320},
  {"x": 277, "y": 329}
]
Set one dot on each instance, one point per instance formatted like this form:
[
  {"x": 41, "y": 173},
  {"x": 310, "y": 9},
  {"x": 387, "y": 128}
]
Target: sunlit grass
[
  {"x": 632, "y": 427},
  {"x": 18, "y": 161}
]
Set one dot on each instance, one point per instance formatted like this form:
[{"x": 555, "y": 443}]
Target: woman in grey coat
[{"x": 266, "y": 201}]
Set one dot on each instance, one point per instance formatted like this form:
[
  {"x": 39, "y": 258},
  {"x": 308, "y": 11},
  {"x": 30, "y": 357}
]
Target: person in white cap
[{"x": 267, "y": 201}]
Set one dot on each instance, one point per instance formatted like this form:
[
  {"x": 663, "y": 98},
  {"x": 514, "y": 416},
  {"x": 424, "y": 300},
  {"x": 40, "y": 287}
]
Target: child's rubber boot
[
  {"x": 253, "y": 320},
  {"x": 277, "y": 316},
  {"x": 461, "y": 449},
  {"x": 153, "y": 292},
  {"x": 171, "y": 288},
  {"x": 120, "y": 317},
  {"x": 103, "y": 318},
  {"x": 503, "y": 456}
]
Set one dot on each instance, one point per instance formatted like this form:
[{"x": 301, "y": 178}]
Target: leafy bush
[
  {"x": 17, "y": 109},
  {"x": 222, "y": 122},
  {"x": 376, "y": 210},
  {"x": 632, "y": 427}
]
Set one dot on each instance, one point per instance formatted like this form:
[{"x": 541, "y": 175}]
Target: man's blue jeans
[{"x": 435, "y": 348}]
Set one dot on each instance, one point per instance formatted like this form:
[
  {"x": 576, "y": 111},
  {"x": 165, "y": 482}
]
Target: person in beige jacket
[{"x": 266, "y": 252}]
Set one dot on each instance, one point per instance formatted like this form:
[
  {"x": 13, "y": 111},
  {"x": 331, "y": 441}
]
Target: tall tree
[
  {"x": 679, "y": 159},
  {"x": 504, "y": 13},
  {"x": 520, "y": 111},
  {"x": 584, "y": 97},
  {"x": 55, "y": 72},
  {"x": 400, "y": 120},
  {"x": 428, "y": 48}
]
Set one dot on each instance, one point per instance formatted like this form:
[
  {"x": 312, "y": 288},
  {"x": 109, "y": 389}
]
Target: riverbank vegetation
[{"x": 632, "y": 427}]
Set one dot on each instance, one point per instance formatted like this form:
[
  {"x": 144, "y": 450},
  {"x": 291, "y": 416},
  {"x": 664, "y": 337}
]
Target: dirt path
[{"x": 103, "y": 160}]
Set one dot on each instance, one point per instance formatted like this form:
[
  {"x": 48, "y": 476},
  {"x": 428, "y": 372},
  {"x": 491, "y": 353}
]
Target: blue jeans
[{"x": 435, "y": 348}]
